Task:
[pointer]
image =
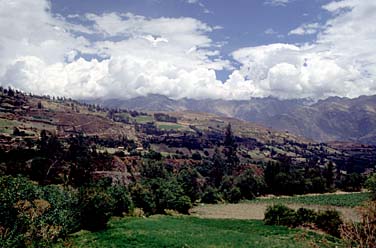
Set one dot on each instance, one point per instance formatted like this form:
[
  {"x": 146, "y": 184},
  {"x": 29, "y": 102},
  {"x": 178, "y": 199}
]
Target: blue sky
[
  {"x": 243, "y": 22},
  {"x": 189, "y": 48}
]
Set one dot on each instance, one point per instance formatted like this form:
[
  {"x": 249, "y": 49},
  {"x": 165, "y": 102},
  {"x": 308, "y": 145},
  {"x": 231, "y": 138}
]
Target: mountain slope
[{"x": 332, "y": 119}]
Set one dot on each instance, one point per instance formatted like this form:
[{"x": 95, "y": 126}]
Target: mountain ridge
[{"x": 331, "y": 119}]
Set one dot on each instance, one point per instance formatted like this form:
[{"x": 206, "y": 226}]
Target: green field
[
  {"x": 6, "y": 126},
  {"x": 169, "y": 126},
  {"x": 144, "y": 119},
  {"x": 338, "y": 200},
  {"x": 166, "y": 231}
]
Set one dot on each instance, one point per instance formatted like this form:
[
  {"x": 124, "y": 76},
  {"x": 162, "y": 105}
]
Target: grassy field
[
  {"x": 6, "y": 126},
  {"x": 144, "y": 119},
  {"x": 169, "y": 126},
  {"x": 337, "y": 200},
  {"x": 165, "y": 231}
]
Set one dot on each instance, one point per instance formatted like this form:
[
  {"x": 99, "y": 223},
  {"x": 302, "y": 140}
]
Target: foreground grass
[
  {"x": 166, "y": 231},
  {"x": 337, "y": 200}
]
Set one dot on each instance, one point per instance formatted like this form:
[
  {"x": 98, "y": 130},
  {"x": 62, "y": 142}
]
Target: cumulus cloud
[
  {"x": 134, "y": 55},
  {"x": 342, "y": 61}
]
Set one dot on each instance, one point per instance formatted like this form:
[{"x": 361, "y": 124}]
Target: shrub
[
  {"x": 304, "y": 216},
  {"x": 371, "y": 186},
  {"x": 169, "y": 195},
  {"x": 329, "y": 221},
  {"x": 211, "y": 195},
  {"x": 361, "y": 234},
  {"x": 182, "y": 204},
  {"x": 280, "y": 215},
  {"x": 12, "y": 226},
  {"x": 233, "y": 195},
  {"x": 96, "y": 207},
  {"x": 64, "y": 210},
  {"x": 122, "y": 200},
  {"x": 250, "y": 185},
  {"x": 32, "y": 215},
  {"x": 143, "y": 198}
]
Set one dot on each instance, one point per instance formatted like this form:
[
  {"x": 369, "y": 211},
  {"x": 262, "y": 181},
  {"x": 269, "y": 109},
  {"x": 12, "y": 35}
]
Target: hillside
[
  {"x": 170, "y": 133},
  {"x": 333, "y": 119},
  {"x": 68, "y": 161},
  {"x": 183, "y": 132}
]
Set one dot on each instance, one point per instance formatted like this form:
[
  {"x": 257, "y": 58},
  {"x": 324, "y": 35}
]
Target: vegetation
[
  {"x": 164, "y": 231},
  {"x": 362, "y": 234},
  {"x": 328, "y": 221},
  {"x": 57, "y": 173},
  {"x": 371, "y": 186},
  {"x": 337, "y": 200}
]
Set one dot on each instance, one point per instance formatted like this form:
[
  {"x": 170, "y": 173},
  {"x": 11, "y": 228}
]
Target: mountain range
[{"x": 332, "y": 119}]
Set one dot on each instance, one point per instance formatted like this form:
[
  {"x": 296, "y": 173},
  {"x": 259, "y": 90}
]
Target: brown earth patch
[{"x": 255, "y": 211}]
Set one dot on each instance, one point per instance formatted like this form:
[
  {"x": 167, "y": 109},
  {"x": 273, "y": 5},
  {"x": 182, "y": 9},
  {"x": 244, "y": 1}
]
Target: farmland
[
  {"x": 167, "y": 231},
  {"x": 255, "y": 209},
  {"x": 336, "y": 200}
]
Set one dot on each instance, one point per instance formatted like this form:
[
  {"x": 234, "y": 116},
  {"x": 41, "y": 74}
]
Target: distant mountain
[{"x": 333, "y": 119}]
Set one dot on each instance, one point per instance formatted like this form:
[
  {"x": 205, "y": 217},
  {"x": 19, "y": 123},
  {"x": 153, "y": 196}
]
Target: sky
[{"x": 218, "y": 49}]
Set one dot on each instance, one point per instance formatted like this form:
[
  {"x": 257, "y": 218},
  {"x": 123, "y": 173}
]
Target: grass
[
  {"x": 6, "y": 126},
  {"x": 169, "y": 126},
  {"x": 337, "y": 200},
  {"x": 167, "y": 231},
  {"x": 144, "y": 118}
]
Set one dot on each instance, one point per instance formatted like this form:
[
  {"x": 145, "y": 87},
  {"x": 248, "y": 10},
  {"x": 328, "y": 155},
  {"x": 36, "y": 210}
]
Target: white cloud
[
  {"x": 342, "y": 61},
  {"x": 306, "y": 29},
  {"x": 138, "y": 55},
  {"x": 44, "y": 54},
  {"x": 276, "y": 3},
  {"x": 270, "y": 31},
  {"x": 199, "y": 3}
]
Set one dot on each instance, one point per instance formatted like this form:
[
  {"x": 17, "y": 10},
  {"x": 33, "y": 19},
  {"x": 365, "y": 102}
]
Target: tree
[
  {"x": 371, "y": 186},
  {"x": 329, "y": 175},
  {"x": 230, "y": 149},
  {"x": 250, "y": 185}
]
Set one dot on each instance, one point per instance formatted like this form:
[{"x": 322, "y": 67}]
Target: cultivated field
[{"x": 254, "y": 210}]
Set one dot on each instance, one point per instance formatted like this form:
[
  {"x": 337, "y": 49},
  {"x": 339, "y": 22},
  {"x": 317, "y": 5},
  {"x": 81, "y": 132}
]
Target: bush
[
  {"x": 250, "y": 185},
  {"x": 329, "y": 221},
  {"x": 122, "y": 200},
  {"x": 233, "y": 195},
  {"x": 96, "y": 207},
  {"x": 371, "y": 186},
  {"x": 280, "y": 215},
  {"x": 182, "y": 204},
  {"x": 32, "y": 215},
  {"x": 143, "y": 198},
  {"x": 361, "y": 234},
  {"x": 64, "y": 208},
  {"x": 304, "y": 216},
  {"x": 211, "y": 195}
]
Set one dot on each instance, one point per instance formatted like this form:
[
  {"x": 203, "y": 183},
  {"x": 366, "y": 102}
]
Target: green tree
[
  {"x": 371, "y": 185},
  {"x": 329, "y": 175},
  {"x": 230, "y": 151}
]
